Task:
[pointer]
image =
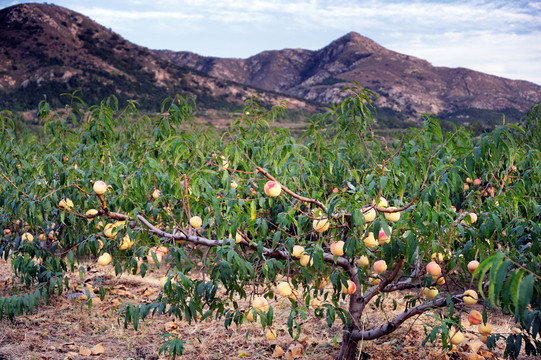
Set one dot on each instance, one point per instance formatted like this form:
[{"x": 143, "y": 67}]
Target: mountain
[
  {"x": 47, "y": 49},
  {"x": 402, "y": 82}
]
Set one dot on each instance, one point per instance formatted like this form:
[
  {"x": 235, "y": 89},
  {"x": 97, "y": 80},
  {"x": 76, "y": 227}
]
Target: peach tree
[{"x": 332, "y": 221}]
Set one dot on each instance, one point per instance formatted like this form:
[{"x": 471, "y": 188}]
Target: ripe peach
[
  {"x": 294, "y": 295},
  {"x": 380, "y": 266},
  {"x": 369, "y": 215},
  {"x": 383, "y": 203},
  {"x": 335, "y": 190},
  {"x": 304, "y": 260},
  {"x": 470, "y": 297},
  {"x": 337, "y": 248},
  {"x": 272, "y": 188},
  {"x": 238, "y": 238},
  {"x": 234, "y": 184},
  {"x": 485, "y": 329},
  {"x": 393, "y": 217},
  {"x": 250, "y": 315},
  {"x": 27, "y": 237},
  {"x": 457, "y": 338},
  {"x": 297, "y": 251},
  {"x": 437, "y": 257},
  {"x": 350, "y": 289},
  {"x": 469, "y": 180},
  {"x": 315, "y": 303},
  {"x": 156, "y": 193},
  {"x": 477, "y": 182},
  {"x": 321, "y": 225},
  {"x": 383, "y": 237},
  {"x": 92, "y": 212},
  {"x": 466, "y": 187},
  {"x": 472, "y": 265},
  {"x": 370, "y": 241},
  {"x": 260, "y": 304},
  {"x": 363, "y": 261},
  {"x": 105, "y": 259},
  {"x": 196, "y": 222},
  {"x": 475, "y": 317},
  {"x": 433, "y": 268},
  {"x": 126, "y": 243},
  {"x": 472, "y": 217},
  {"x": 100, "y": 187},
  {"x": 284, "y": 289},
  {"x": 430, "y": 292}
]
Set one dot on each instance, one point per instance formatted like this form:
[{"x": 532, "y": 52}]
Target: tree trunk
[{"x": 348, "y": 351}]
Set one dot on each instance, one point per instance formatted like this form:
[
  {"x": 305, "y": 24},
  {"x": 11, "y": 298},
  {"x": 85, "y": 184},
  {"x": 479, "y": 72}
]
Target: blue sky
[{"x": 497, "y": 37}]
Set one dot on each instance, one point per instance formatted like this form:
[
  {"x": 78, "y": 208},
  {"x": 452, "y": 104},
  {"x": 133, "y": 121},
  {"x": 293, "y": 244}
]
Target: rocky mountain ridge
[
  {"x": 402, "y": 82},
  {"x": 49, "y": 50}
]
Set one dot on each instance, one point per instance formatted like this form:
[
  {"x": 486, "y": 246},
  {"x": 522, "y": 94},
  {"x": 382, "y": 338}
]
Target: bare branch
[{"x": 394, "y": 324}]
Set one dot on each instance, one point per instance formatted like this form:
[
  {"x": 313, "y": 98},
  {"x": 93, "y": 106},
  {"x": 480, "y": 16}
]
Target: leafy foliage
[{"x": 338, "y": 170}]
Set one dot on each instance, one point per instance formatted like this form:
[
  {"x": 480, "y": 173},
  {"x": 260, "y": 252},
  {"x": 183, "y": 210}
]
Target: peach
[
  {"x": 369, "y": 215},
  {"x": 100, "y": 187},
  {"x": 472, "y": 265},
  {"x": 92, "y": 212},
  {"x": 485, "y": 329},
  {"x": 457, "y": 338},
  {"x": 433, "y": 268},
  {"x": 383, "y": 237},
  {"x": 196, "y": 222},
  {"x": 156, "y": 193},
  {"x": 350, "y": 289},
  {"x": 272, "y": 188},
  {"x": 394, "y": 216},
  {"x": 383, "y": 203},
  {"x": 126, "y": 243},
  {"x": 316, "y": 303},
  {"x": 475, "y": 317},
  {"x": 321, "y": 225},
  {"x": 260, "y": 304},
  {"x": 473, "y": 217},
  {"x": 27, "y": 237},
  {"x": 284, "y": 289},
  {"x": 363, "y": 261},
  {"x": 238, "y": 238},
  {"x": 370, "y": 241},
  {"x": 431, "y": 292},
  {"x": 477, "y": 182},
  {"x": 469, "y": 180},
  {"x": 380, "y": 266},
  {"x": 298, "y": 251},
  {"x": 470, "y": 297},
  {"x": 337, "y": 248},
  {"x": 305, "y": 258},
  {"x": 105, "y": 259}
]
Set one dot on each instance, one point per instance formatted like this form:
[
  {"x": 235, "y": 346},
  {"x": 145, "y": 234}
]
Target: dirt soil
[{"x": 66, "y": 329}]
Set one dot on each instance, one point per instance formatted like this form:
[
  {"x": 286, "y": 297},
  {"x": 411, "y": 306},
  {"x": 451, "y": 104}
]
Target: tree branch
[{"x": 391, "y": 326}]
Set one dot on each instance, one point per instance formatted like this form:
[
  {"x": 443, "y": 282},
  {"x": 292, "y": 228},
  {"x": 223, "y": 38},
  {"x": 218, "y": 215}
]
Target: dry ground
[{"x": 67, "y": 330}]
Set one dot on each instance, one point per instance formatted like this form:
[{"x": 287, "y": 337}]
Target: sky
[{"x": 500, "y": 37}]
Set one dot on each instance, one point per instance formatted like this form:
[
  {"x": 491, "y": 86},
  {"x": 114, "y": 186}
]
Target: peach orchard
[{"x": 329, "y": 222}]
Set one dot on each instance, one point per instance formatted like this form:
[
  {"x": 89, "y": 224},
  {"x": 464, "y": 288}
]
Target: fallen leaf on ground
[
  {"x": 83, "y": 350},
  {"x": 278, "y": 352},
  {"x": 98, "y": 349}
]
